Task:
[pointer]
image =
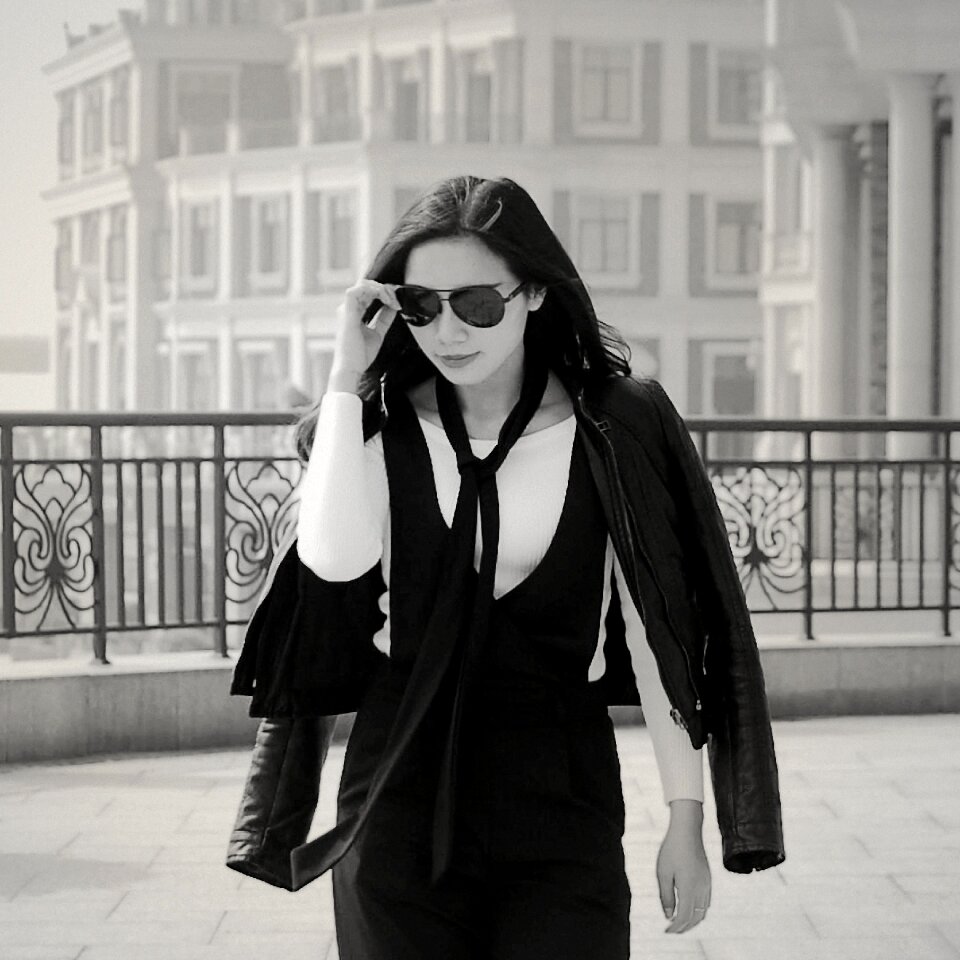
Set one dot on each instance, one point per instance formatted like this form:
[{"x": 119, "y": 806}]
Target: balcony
[
  {"x": 232, "y": 136},
  {"x": 788, "y": 255},
  {"x": 337, "y": 129}
]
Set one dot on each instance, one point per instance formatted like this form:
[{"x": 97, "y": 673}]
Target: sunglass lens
[
  {"x": 479, "y": 306},
  {"x": 417, "y": 305}
]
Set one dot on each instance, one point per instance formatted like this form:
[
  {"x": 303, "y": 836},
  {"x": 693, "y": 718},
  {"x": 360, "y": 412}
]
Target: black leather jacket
[{"x": 307, "y": 649}]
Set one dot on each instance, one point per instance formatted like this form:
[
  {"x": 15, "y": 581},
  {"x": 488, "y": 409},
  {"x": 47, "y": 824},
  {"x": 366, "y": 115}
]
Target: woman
[{"x": 480, "y": 811}]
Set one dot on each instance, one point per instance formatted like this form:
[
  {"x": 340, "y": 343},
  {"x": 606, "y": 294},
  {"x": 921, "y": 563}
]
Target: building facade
[
  {"x": 229, "y": 168},
  {"x": 861, "y": 272}
]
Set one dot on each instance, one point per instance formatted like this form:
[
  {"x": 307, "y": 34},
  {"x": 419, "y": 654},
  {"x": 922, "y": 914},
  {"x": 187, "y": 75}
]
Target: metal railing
[
  {"x": 137, "y": 522},
  {"x": 126, "y": 522}
]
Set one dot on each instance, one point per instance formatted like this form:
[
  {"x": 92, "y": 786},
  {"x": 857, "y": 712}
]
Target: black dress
[{"x": 538, "y": 865}]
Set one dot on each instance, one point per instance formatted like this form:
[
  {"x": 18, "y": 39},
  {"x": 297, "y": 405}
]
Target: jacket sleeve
[{"x": 741, "y": 750}]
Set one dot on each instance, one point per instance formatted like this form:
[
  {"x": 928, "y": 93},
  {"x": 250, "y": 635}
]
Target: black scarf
[{"x": 456, "y": 628}]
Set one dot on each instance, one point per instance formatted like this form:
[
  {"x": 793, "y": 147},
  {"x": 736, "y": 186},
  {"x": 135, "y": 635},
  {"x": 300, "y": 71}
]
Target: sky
[{"x": 31, "y": 35}]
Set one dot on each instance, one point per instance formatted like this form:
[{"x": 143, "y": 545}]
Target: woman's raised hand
[{"x": 356, "y": 344}]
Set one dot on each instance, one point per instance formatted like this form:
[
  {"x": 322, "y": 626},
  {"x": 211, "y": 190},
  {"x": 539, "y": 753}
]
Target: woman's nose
[{"x": 450, "y": 328}]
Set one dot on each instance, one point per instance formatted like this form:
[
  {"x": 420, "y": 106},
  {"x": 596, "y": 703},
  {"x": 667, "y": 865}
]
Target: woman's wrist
[
  {"x": 344, "y": 380},
  {"x": 686, "y": 812}
]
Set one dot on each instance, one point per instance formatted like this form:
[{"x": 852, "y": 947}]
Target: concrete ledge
[{"x": 55, "y": 709}]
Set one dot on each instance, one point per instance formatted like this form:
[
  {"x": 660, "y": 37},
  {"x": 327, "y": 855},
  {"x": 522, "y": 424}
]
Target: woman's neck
[{"x": 488, "y": 404}]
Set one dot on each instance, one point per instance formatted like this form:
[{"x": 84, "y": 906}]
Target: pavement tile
[
  {"x": 868, "y": 948},
  {"x": 56, "y": 931},
  {"x": 60, "y": 952},
  {"x": 950, "y": 931},
  {"x": 872, "y": 870},
  {"x": 257, "y": 950}
]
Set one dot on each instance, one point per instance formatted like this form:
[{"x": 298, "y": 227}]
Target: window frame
[
  {"x": 716, "y": 279},
  {"x": 189, "y": 282},
  {"x": 257, "y": 348},
  {"x": 269, "y": 280},
  {"x": 327, "y": 274},
  {"x": 194, "y": 349},
  {"x": 632, "y": 276},
  {"x": 179, "y": 70},
  {"x": 713, "y": 350},
  {"x": 632, "y": 127},
  {"x": 92, "y": 146},
  {"x": 718, "y": 129}
]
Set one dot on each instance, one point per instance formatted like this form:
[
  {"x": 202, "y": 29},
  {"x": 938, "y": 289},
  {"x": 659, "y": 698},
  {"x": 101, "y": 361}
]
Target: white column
[
  {"x": 538, "y": 91},
  {"x": 369, "y": 97},
  {"x": 297, "y": 231},
  {"x": 76, "y": 346},
  {"x": 103, "y": 321},
  {"x": 952, "y": 315},
  {"x": 831, "y": 156},
  {"x": 174, "y": 363},
  {"x": 298, "y": 353},
  {"x": 305, "y": 68},
  {"x": 176, "y": 239},
  {"x": 910, "y": 257},
  {"x": 439, "y": 85},
  {"x": 225, "y": 238},
  {"x": 108, "y": 88},
  {"x": 225, "y": 365}
]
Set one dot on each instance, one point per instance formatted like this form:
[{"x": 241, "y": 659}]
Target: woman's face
[{"x": 464, "y": 354}]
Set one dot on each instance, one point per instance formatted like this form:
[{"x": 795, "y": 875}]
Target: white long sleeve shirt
[{"x": 343, "y": 529}]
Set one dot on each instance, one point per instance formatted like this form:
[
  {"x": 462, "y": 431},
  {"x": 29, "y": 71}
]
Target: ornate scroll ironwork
[
  {"x": 53, "y": 566},
  {"x": 260, "y": 508},
  {"x": 763, "y": 509}
]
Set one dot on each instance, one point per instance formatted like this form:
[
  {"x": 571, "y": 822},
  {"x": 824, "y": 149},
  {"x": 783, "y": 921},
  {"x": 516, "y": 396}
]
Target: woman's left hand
[{"x": 683, "y": 873}]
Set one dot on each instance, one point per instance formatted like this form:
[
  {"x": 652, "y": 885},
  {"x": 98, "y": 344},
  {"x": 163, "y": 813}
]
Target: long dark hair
[{"x": 579, "y": 348}]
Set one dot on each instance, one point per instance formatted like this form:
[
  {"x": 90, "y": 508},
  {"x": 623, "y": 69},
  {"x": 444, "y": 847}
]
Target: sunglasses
[{"x": 479, "y": 306}]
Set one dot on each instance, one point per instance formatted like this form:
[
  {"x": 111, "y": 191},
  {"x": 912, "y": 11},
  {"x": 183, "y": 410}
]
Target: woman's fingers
[{"x": 692, "y": 905}]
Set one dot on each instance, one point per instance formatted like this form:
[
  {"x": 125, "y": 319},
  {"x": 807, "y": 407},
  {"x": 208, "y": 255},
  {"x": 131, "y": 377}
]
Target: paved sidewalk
[{"x": 121, "y": 859}]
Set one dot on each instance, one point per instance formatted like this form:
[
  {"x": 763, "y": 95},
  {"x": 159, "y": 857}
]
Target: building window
[
  {"x": 408, "y": 94},
  {"x": 478, "y": 97},
  {"x": 90, "y": 239},
  {"x": 117, "y": 388},
  {"x": 607, "y": 89},
  {"x": 66, "y": 134},
  {"x": 336, "y": 115},
  {"x": 269, "y": 240},
  {"x": 195, "y": 381},
  {"x": 120, "y": 112},
  {"x": 117, "y": 246},
  {"x": 729, "y": 390},
  {"x": 201, "y": 248},
  {"x": 605, "y": 231},
  {"x": 737, "y": 93},
  {"x": 201, "y": 109},
  {"x": 260, "y": 379},
  {"x": 162, "y": 252},
  {"x": 339, "y": 245},
  {"x": 63, "y": 264},
  {"x": 92, "y": 125},
  {"x": 736, "y": 240}
]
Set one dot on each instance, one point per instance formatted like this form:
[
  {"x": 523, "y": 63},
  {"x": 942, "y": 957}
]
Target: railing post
[
  {"x": 947, "y": 531},
  {"x": 98, "y": 546},
  {"x": 9, "y": 626},
  {"x": 808, "y": 535},
  {"x": 220, "y": 538}
]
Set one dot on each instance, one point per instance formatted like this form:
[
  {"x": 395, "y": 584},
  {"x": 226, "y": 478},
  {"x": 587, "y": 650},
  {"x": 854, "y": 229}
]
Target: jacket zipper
[{"x": 602, "y": 426}]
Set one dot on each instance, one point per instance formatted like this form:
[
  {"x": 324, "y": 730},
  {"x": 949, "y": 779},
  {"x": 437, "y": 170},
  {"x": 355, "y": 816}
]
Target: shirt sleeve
[
  {"x": 679, "y": 764},
  {"x": 343, "y": 494}
]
